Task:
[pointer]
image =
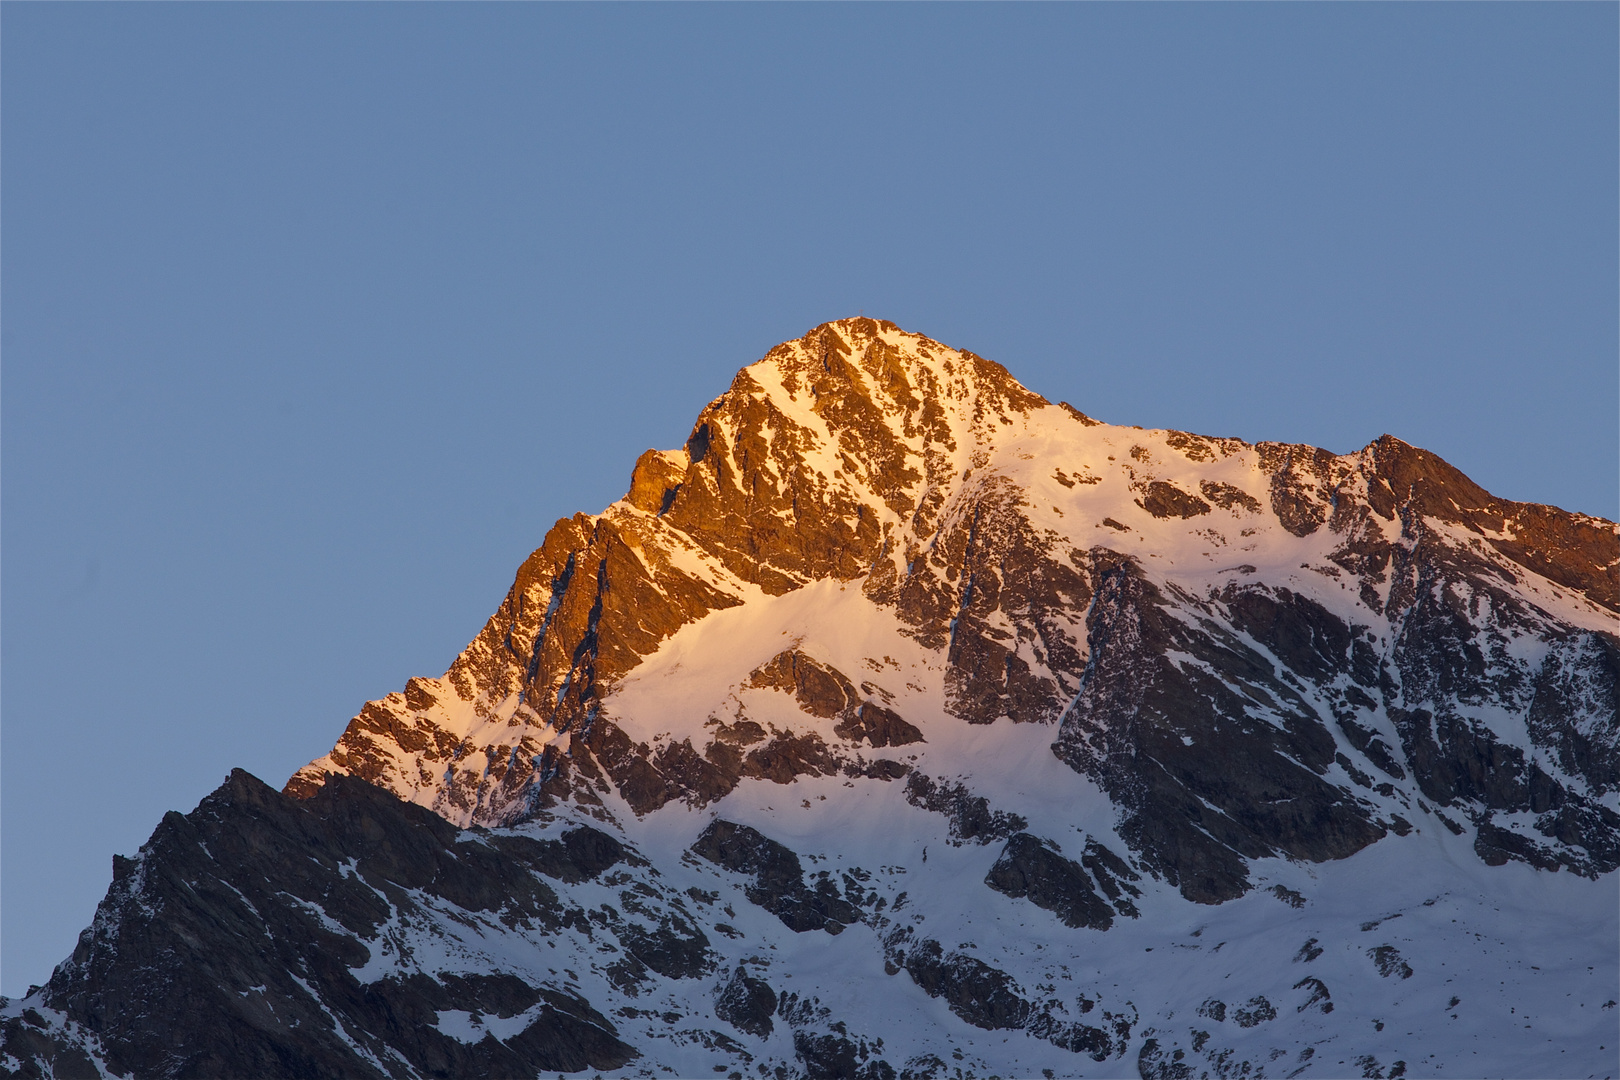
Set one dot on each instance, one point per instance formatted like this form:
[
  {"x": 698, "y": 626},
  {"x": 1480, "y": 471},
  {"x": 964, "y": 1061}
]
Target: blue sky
[{"x": 316, "y": 317}]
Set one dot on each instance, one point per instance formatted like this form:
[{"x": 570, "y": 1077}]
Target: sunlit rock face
[{"x": 903, "y": 722}]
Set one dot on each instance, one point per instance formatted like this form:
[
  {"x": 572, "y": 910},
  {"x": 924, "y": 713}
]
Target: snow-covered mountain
[{"x": 906, "y": 724}]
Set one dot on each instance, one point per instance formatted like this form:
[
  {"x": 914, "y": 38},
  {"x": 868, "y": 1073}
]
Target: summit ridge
[{"x": 979, "y": 516}]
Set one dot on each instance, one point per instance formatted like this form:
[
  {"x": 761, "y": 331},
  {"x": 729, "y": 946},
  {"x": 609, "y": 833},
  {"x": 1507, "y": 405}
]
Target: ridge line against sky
[{"x": 317, "y": 317}]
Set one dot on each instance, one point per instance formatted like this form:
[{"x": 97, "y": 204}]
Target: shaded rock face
[
  {"x": 1224, "y": 753},
  {"x": 1455, "y": 670},
  {"x": 1213, "y": 762},
  {"x": 1003, "y": 602},
  {"x": 779, "y": 886},
  {"x": 39, "y": 1051},
  {"x": 988, "y": 998},
  {"x": 1575, "y": 707},
  {"x": 747, "y": 1004},
  {"x": 1166, "y": 500},
  {"x": 970, "y": 816},
  {"x": 831, "y": 1056},
  {"x": 229, "y": 947},
  {"x": 871, "y": 723},
  {"x": 1028, "y": 869},
  {"x": 974, "y": 990},
  {"x": 827, "y": 692},
  {"x": 1573, "y": 550}
]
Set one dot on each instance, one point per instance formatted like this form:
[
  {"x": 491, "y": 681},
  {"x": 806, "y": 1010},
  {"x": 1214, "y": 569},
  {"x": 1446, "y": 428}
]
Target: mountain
[{"x": 905, "y": 724}]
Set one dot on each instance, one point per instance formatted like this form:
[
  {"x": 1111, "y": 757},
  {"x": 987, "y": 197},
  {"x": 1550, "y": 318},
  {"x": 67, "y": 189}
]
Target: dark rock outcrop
[
  {"x": 824, "y": 691},
  {"x": 975, "y": 991},
  {"x": 1317, "y": 995},
  {"x": 1252, "y": 1013},
  {"x": 1029, "y": 869},
  {"x": 832, "y": 1056},
  {"x": 42, "y": 1052},
  {"x": 878, "y": 726},
  {"x": 819, "y": 689},
  {"x": 1164, "y": 500},
  {"x": 1214, "y": 763},
  {"x": 970, "y": 816},
  {"x": 228, "y": 947},
  {"x": 746, "y": 1003},
  {"x": 1575, "y": 707},
  {"x": 778, "y": 886},
  {"x": 1387, "y": 959}
]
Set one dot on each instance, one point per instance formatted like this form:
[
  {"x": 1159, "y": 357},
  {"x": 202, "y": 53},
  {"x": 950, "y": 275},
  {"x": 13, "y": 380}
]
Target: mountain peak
[
  {"x": 969, "y": 510},
  {"x": 902, "y": 709}
]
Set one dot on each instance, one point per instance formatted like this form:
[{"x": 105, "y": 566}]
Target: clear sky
[{"x": 316, "y": 317}]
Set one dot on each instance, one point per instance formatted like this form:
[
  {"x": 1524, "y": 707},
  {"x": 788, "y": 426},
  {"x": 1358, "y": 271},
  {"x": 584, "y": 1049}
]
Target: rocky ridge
[
  {"x": 895, "y": 651},
  {"x": 862, "y": 454}
]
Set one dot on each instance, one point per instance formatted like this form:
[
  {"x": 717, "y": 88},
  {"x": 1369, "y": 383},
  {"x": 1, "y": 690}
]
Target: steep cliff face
[
  {"x": 232, "y": 945},
  {"x": 846, "y": 455},
  {"x": 908, "y": 722}
]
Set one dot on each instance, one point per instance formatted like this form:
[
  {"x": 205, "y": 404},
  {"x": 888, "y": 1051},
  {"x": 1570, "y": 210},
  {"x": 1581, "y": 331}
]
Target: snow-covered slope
[{"x": 942, "y": 728}]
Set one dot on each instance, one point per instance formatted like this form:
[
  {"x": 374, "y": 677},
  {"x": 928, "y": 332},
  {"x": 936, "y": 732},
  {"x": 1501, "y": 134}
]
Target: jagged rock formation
[
  {"x": 238, "y": 927},
  {"x": 895, "y": 651}
]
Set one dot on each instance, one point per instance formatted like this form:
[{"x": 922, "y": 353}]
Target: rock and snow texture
[{"x": 919, "y": 725}]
